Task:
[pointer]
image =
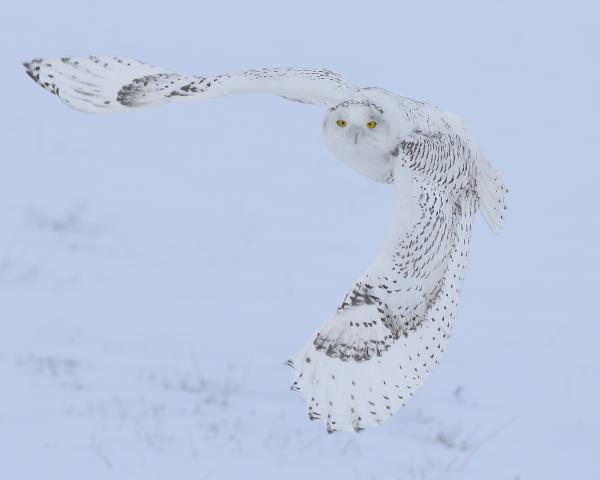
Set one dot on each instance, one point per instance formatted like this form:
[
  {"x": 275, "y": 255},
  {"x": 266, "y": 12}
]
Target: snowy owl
[{"x": 366, "y": 361}]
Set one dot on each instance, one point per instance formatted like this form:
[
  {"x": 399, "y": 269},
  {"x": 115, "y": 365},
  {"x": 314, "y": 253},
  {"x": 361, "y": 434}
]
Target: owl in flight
[{"x": 371, "y": 355}]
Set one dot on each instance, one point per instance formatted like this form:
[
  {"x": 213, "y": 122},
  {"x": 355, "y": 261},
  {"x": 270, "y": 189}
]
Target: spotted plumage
[{"x": 369, "y": 358}]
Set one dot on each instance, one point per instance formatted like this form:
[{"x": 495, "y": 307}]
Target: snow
[{"x": 158, "y": 269}]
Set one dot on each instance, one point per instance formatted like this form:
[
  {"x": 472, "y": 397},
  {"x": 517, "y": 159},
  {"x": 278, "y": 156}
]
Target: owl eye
[
  {"x": 341, "y": 123},
  {"x": 371, "y": 124}
]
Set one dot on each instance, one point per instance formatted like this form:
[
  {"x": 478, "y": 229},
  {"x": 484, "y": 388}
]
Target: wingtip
[
  {"x": 31, "y": 67},
  {"x": 30, "y": 63}
]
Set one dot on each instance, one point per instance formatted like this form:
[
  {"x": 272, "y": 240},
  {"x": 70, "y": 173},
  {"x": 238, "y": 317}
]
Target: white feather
[
  {"x": 365, "y": 394},
  {"x": 101, "y": 84}
]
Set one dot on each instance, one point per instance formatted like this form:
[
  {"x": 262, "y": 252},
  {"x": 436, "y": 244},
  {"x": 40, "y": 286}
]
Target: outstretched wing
[
  {"x": 370, "y": 357},
  {"x": 117, "y": 84},
  {"x": 374, "y": 364}
]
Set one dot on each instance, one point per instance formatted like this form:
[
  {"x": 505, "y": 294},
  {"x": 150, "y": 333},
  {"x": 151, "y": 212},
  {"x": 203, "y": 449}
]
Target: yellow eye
[
  {"x": 371, "y": 124},
  {"x": 341, "y": 123}
]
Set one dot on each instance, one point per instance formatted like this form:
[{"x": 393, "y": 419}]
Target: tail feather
[
  {"x": 351, "y": 395},
  {"x": 492, "y": 194}
]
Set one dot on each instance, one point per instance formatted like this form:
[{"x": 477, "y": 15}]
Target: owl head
[{"x": 361, "y": 132}]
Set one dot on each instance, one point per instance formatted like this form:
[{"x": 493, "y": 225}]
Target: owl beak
[{"x": 354, "y": 133}]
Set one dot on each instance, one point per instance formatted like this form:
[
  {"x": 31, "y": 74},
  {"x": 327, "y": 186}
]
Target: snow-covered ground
[{"x": 158, "y": 268}]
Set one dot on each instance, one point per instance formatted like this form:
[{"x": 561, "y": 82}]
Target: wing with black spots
[
  {"x": 372, "y": 355},
  {"x": 442, "y": 146},
  {"x": 100, "y": 84}
]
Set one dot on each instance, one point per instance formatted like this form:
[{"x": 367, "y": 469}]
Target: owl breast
[{"x": 364, "y": 158}]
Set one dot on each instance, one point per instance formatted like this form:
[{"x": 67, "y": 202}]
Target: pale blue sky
[{"x": 524, "y": 75}]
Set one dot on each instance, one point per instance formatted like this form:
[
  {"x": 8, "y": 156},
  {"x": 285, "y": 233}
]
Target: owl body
[
  {"x": 371, "y": 355},
  {"x": 376, "y": 125}
]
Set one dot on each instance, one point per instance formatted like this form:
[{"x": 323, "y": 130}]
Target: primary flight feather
[{"x": 371, "y": 355}]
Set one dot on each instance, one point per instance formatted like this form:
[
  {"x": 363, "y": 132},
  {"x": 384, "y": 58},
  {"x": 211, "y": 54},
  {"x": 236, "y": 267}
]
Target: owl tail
[
  {"x": 349, "y": 393},
  {"x": 492, "y": 194}
]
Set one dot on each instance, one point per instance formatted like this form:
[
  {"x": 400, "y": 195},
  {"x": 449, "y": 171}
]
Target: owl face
[
  {"x": 359, "y": 133},
  {"x": 357, "y": 122}
]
